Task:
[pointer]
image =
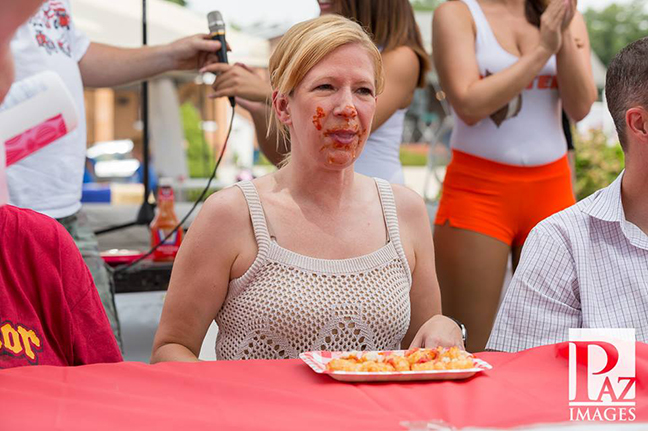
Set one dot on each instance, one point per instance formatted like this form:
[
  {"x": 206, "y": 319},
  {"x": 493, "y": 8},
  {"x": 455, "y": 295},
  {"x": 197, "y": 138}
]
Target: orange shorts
[{"x": 502, "y": 201}]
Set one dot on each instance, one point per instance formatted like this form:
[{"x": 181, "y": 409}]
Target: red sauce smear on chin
[{"x": 319, "y": 114}]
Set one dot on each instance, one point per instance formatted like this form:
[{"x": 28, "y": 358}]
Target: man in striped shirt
[{"x": 587, "y": 266}]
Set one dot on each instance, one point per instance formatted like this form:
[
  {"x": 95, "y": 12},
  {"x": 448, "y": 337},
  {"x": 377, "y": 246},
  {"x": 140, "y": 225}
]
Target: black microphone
[{"x": 217, "y": 32}]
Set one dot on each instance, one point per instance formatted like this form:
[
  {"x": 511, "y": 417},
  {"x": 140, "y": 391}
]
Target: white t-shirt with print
[{"x": 50, "y": 180}]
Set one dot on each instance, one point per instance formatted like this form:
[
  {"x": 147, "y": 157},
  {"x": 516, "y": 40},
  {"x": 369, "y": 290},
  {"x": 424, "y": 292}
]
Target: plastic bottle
[
  {"x": 163, "y": 223},
  {"x": 36, "y": 111}
]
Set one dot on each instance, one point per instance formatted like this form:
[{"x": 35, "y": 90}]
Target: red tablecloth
[{"x": 522, "y": 388}]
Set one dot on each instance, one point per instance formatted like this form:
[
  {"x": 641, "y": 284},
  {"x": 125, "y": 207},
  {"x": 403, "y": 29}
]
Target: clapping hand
[
  {"x": 572, "y": 6},
  {"x": 553, "y": 21}
]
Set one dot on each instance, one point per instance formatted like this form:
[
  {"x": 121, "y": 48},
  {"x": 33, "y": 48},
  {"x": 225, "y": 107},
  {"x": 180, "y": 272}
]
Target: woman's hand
[
  {"x": 192, "y": 52},
  {"x": 551, "y": 24},
  {"x": 571, "y": 6},
  {"x": 438, "y": 331},
  {"x": 239, "y": 81}
]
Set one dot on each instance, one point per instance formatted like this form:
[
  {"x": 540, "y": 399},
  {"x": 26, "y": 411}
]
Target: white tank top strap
[
  {"x": 388, "y": 204},
  {"x": 257, "y": 215},
  {"x": 485, "y": 33},
  {"x": 261, "y": 234}
]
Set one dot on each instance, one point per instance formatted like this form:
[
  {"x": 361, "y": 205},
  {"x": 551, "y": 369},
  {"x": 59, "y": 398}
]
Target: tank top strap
[
  {"x": 485, "y": 33},
  {"x": 257, "y": 215},
  {"x": 388, "y": 204}
]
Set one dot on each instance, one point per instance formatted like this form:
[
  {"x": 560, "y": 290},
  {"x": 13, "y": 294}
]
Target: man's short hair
[{"x": 626, "y": 84}]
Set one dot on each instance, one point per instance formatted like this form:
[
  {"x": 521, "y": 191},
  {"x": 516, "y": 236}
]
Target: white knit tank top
[
  {"x": 526, "y": 132},
  {"x": 287, "y": 303}
]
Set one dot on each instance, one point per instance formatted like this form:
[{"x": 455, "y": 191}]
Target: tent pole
[{"x": 146, "y": 213}]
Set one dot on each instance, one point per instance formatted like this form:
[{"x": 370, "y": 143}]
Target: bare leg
[
  {"x": 471, "y": 269},
  {"x": 515, "y": 257},
  {"x": 571, "y": 157}
]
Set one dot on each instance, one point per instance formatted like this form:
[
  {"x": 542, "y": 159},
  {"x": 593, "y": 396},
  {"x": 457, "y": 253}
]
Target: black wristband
[{"x": 464, "y": 331}]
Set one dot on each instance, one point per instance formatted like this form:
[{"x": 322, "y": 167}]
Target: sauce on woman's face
[
  {"x": 336, "y": 102},
  {"x": 319, "y": 114}
]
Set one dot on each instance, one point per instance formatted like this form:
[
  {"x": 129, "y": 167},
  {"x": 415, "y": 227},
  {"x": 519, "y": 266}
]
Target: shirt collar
[{"x": 605, "y": 204}]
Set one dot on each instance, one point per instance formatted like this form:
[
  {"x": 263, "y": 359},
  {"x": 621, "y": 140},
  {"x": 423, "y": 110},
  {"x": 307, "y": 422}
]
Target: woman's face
[
  {"x": 329, "y": 113},
  {"x": 326, "y": 6}
]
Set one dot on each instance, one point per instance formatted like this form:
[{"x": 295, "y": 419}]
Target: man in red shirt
[{"x": 50, "y": 311}]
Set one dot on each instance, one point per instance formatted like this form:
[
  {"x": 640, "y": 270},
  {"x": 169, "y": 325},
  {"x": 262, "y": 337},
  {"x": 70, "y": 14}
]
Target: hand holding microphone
[
  {"x": 240, "y": 81},
  {"x": 217, "y": 32},
  {"x": 237, "y": 80}
]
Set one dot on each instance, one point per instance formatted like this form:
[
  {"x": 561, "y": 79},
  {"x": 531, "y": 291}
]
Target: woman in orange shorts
[{"x": 508, "y": 68}]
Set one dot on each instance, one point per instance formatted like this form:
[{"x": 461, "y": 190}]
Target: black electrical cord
[{"x": 184, "y": 219}]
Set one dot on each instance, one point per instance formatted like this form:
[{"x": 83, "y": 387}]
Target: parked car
[{"x": 113, "y": 161}]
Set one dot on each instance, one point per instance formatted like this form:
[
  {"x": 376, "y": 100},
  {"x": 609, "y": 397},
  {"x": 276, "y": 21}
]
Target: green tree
[
  {"x": 180, "y": 2},
  {"x": 597, "y": 163},
  {"x": 425, "y": 5},
  {"x": 200, "y": 156},
  {"x": 616, "y": 26}
]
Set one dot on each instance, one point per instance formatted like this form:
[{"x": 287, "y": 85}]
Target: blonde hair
[{"x": 305, "y": 45}]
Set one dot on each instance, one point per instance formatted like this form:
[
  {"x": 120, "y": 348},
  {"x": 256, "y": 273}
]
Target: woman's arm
[
  {"x": 473, "y": 97},
  {"x": 200, "y": 277},
  {"x": 109, "y": 66},
  {"x": 575, "y": 77},
  {"x": 428, "y": 328},
  {"x": 401, "y": 67},
  {"x": 273, "y": 147}
]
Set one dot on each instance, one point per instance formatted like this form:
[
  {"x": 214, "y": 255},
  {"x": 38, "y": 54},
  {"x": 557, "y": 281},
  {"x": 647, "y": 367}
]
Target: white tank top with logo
[{"x": 526, "y": 132}]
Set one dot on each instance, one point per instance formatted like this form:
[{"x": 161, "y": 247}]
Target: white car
[{"x": 113, "y": 160}]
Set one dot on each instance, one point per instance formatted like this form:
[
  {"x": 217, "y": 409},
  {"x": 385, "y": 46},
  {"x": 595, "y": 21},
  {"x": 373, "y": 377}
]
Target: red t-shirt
[{"x": 50, "y": 311}]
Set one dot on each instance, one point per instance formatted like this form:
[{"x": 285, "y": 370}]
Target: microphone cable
[{"x": 124, "y": 268}]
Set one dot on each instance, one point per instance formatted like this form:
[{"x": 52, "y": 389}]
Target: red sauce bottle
[{"x": 163, "y": 223}]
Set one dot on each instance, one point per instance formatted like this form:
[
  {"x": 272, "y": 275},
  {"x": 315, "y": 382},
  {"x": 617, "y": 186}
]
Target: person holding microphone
[{"x": 50, "y": 181}]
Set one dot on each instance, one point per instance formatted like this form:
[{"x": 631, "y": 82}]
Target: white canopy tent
[{"x": 119, "y": 23}]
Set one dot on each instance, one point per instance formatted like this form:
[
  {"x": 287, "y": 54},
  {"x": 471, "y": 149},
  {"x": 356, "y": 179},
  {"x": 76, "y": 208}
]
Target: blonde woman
[
  {"x": 393, "y": 29},
  {"x": 314, "y": 256}
]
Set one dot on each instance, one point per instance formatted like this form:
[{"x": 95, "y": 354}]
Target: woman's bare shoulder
[
  {"x": 225, "y": 212},
  {"x": 452, "y": 10},
  {"x": 453, "y": 16},
  {"x": 407, "y": 200},
  {"x": 400, "y": 55}
]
